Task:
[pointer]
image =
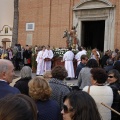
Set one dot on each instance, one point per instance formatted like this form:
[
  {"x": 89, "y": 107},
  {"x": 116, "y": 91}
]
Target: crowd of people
[
  {"x": 100, "y": 77},
  {"x": 47, "y": 97},
  {"x": 22, "y": 56},
  {"x": 41, "y": 99}
]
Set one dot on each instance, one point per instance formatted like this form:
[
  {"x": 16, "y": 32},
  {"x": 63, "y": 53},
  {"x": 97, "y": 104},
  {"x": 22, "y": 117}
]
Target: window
[{"x": 30, "y": 26}]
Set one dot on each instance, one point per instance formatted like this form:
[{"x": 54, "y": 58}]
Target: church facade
[
  {"x": 6, "y": 22},
  {"x": 43, "y": 22}
]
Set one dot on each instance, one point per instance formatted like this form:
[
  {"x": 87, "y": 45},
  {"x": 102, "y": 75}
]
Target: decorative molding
[
  {"x": 6, "y": 26},
  {"x": 105, "y": 1},
  {"x": 5, "y": 35},
  {"x": 93, "y": 4},
  {"x": 5, "y": 40},
  {"x": 97, "y": 12}
]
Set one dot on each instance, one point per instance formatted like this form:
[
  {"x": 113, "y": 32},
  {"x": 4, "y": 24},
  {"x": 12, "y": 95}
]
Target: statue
[
  {"x": 68, "y": 38},
  {"x": 72, "y": 40}
]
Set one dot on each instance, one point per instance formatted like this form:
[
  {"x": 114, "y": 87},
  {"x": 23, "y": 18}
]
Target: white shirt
[
  {"x": 102, "y": 94},
  {"x": 48, "y": 54},
  {"x": 3, "y": 80}
]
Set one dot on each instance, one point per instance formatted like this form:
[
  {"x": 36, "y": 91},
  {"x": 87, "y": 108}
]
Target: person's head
[
  {"x": 43, "y": 48},
  {"x": 70, "y": 48},
  {"x": 117, "y": 66},
  {"x": 116, "y": 50},
  {"x": 93, "y": 51},
  {"x": 79, "y": 48},
  {"x": 92, "y": 63},
  {"x": 47, "y": 75},
  {"x": 26, "y": 72},
  {"x": 106, "y": 53},
  {"x": 79, "y": 105},
  {"x": 8, "y": 49},
  {"x": 39, "y": 89},
  {"x": 6, "y": 70},
  {"x": 98, "y": 76},
  {"x": 114, "y": 54},
  {"x": 48, "y": 47},
  {"x": 84, "y": 59},
  {"x": 17, "y": 107},
  {"x": 110, "y": 61},
  {"x": 59, "y": 72},
  {"x": 113, "y": 76},
  {"x": 27, "y": 47}
]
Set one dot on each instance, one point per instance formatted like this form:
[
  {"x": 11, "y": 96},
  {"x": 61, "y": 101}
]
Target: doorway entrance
[
  {"x": 93, "y": 34},
  {"x": 6, "y": 42}
]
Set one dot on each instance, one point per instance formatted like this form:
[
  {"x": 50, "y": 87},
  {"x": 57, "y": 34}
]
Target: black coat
[
  {"x": 27, "y": 54},
  {"x": 116, "y": 100},
  {"x": 22, "y": 85},
  {"x": 103, "y": 60}
]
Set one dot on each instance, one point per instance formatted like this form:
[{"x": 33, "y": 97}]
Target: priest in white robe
[
  {"x": 68, "y": 58},
  {"x": 40, "y": 62},
  {"x": 48, "y": 58}
]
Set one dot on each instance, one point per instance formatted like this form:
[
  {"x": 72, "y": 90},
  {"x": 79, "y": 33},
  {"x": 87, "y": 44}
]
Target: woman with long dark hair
[{"x": 79, "y": 105}]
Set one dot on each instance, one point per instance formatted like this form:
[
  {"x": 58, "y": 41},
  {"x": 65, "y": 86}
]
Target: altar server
[
  {"x": 68, "y": 58},
  {"x": 40, "y": 62},
  {"x": 48, "y": 58}
]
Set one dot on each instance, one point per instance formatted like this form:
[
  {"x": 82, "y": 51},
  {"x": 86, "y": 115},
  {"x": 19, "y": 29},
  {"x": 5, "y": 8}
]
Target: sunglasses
[
  {"x": 110, "y": 76},
  {"x": 66, "y": 109}
]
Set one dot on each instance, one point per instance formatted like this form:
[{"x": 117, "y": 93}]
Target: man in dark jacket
[
  {"x": 6, "y": 77},
  {"x": 82, "y": 64}
]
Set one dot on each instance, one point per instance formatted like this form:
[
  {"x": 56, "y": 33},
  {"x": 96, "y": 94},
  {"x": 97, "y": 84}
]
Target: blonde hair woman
[
  {"x": 47, "y": 75},
  {"x": 40, "y": 91}
]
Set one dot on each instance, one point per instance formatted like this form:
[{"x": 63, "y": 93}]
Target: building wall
[
  {"x": 51, "y": 18},
  {"x": 6, "y": 18},
  {"x": 117, "y": 24}
]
